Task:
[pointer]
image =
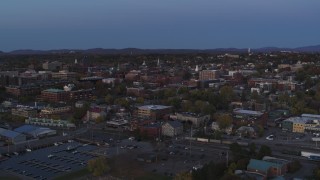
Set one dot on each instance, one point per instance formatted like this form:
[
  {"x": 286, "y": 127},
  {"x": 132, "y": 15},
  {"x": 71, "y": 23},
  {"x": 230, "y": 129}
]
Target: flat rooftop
[
  {"x": 154, "y": 107},
  {"x": 247, "y": 112},
  {"x": 54, "y": 90}
]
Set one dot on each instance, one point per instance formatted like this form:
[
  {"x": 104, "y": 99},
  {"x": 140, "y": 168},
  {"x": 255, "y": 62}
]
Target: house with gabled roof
[{"x": 172, "y": 128}]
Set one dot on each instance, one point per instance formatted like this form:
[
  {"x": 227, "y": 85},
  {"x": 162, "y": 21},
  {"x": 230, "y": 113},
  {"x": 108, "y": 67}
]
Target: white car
[
  {"x": 270, "y": 137},
  {"x": 50, "y": 156},
  {"x": 131, "y": 138},
  {"x": 28, "y": 150}
]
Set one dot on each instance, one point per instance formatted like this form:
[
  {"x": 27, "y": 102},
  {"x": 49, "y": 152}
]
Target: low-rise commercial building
[
  {"x": 242, "y": 116},
  {"x": 50, "y": 122},
  {"x": 196, "y": 119},
  {"x": 301, "y": 124},
  {"x": 55, "y": 110},
  {"x": 20, "y": 91},
  {"x": 267, "y": 168},
  {"x": 24, "y": 112},
  {"x": 65, "y": 75},
  {"x": 153, "y": 111},
  {"x": 35, "y": 131},
  {"x": 12, "y": 136}
]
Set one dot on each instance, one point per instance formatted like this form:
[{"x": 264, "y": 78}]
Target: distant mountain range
[{"x": 308, "y": 49}]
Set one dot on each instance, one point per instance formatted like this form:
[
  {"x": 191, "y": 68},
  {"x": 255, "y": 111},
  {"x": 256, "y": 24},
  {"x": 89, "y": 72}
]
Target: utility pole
[
  {"x": 227, "y": 158},
  {"x": 190, "y": 141}
]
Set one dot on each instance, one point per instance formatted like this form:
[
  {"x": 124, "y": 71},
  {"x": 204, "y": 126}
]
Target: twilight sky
[{"x": 198, "y": 24}]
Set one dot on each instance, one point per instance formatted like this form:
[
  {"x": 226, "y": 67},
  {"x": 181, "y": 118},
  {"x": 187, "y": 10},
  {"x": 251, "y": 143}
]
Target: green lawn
[{"x": 74, "y": 175}]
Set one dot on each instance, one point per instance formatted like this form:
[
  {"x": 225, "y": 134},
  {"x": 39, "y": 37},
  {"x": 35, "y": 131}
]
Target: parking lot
[{"x": 49, "y": 162}]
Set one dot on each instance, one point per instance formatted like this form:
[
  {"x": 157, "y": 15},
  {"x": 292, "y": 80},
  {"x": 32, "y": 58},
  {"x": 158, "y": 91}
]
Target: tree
[
  {"x": 175, "y": 103},
  {"x": 264, "y": 151},
  {"x": 187, "y": 106},
  {"x": 169, "y": 93},
  {"x": 122, "y": 102},
  {"x": 210, "y": 171},
  {"x": 200, "y": 106},
  {"x": 252, "y": 148},
  {"x": 98, "y": 166},
  {"x": 242, "y": 163},
  {"x": 140, "y": 100},
  {"x": 294, "y": 166},
  {"x": 120, "y": 89},
  {"x": 108, "y": 99},
  {"x": 79, "y": 113},
  {"x": 183, "y": 176},
  {"x": 298, "y": 108},
  {"x": 227, "y": 93},
  {"x": 224, "y": 121},
  {"x": 99, "y": 119},
  {"x": 232, "y": 167},
  {"x": 236, "y": 151},
  {"x": 230, "y": 177},
  {"x": 260, "y": 130},
  {"x": 316, "y": 173}
]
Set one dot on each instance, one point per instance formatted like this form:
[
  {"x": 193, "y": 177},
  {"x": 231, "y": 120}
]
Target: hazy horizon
[{"x": 151, "y": 24}]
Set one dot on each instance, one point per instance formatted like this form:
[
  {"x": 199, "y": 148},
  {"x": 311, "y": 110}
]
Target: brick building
[
  {"x": 209, "y": 75},
  {"x": 54, "y": 95}
]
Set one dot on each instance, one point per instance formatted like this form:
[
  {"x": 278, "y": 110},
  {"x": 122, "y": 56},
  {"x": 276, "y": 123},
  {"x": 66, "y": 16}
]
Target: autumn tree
[
  {"x": 108, "y": 99},
  {"x": 183, "y": 176},
  {"x": 98, "y": 166},
  {"x": 224, "y": 121},
  {"x": 227, "y": 93}
]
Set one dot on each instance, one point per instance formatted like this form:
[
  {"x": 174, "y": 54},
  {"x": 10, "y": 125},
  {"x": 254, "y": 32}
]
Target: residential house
[
  {"x": 94, "y": 113},
  {"x": 215, "y": 127},
  {"x": 246, "y": 131},
  {"x": 172, "y": 128}
]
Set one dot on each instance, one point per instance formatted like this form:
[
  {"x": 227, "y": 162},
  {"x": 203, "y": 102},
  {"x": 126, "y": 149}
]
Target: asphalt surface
[{"x": 49, "y": 162}]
